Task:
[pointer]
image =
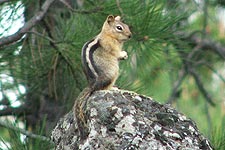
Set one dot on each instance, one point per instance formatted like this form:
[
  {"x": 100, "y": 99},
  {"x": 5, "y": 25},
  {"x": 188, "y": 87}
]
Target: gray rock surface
[{"x": 123, "y": 120}]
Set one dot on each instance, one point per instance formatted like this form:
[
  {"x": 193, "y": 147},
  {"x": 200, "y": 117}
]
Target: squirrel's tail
[{"x": 79, "y": 111}]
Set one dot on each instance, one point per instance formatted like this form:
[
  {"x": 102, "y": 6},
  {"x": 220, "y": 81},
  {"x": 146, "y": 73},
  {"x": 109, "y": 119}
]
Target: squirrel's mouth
[{"x": 126, "y": 39}]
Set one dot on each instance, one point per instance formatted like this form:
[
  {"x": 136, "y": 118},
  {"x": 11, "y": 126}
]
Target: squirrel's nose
[{"x": 129, "y": 36}]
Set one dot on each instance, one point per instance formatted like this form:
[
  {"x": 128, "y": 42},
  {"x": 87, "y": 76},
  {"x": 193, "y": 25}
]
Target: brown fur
[
  {"x": 106, "y": 59},
  {"x": 110, "y": 52}
]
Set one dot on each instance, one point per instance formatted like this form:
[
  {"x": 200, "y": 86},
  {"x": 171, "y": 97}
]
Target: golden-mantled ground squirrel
[{"x": 100, "y": 61}]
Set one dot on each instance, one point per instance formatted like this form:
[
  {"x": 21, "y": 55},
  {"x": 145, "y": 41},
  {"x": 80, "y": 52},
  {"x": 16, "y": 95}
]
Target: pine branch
[
  {"x": 205, "y": 43},
  {"x": 69, "y": 6},
  {"x": 176, "y": 85},
  {"x": 189, "y": 68},
  {"x": 43, "y": 36},
  {"x": 14, "y": 111},
  {"x": 119, "y": 7},
  {"x": 3, "y": 1},
  {"x": 216, "y": 72},
  {"x": 24, "y": 132},
  {"x": 201, "y": 87},
  {"x": 94, "y": 10},
  {"x": 27, "y": 26}
]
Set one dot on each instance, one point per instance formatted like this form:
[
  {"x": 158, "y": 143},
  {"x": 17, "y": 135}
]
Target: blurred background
[{"x": 176, "y": 56}]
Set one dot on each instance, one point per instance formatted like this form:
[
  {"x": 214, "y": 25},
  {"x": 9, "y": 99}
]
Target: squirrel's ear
[
  {"x": 117, "y": 18},
  {"x": 110, "y": 18}
]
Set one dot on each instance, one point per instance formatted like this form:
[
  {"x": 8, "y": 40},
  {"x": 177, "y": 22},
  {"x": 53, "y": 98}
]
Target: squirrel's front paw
[{"x": 123, "y": 55}]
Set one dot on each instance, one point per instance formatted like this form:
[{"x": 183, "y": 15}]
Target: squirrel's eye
[{"x": 119, "y": 28}]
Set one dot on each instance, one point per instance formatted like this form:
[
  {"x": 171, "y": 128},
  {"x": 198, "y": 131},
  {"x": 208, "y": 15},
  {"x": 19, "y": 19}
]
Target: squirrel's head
[{"x": 116, "y": 28}]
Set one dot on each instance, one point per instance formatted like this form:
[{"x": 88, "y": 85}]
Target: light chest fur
[{"x": 101, "y": 56}]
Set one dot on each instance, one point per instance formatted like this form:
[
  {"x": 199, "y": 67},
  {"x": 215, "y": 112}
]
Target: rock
[{"x": 123, "y": 120}]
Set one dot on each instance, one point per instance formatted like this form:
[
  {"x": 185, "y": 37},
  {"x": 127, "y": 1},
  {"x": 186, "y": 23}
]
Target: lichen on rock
[{"x": 123, "y": 120}]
